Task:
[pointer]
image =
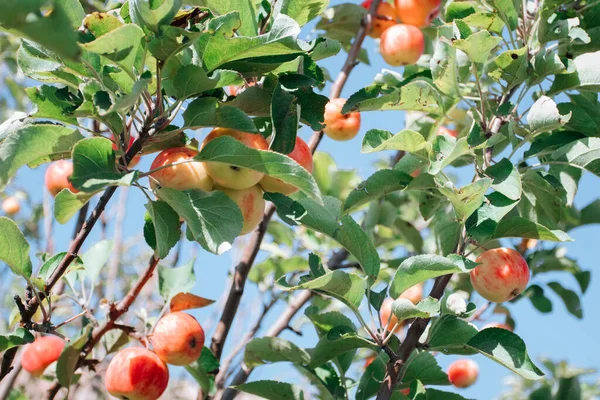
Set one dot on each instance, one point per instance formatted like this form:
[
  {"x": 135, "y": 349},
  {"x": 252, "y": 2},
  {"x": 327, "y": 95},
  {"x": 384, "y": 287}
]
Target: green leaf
[
  {"x": 405, "y": 140},
  {"x": 482, "y": 224},
  {"x": 419, "y": 268},
  {"x": 544, "y": 199},
  {"x": 521, "y": 227},
  {"x": 54, "y": 103},
  {"x": 444, "y": 151},
  {"x": 284, "y": 115},
  {"x": 449, "y": 334},
  {"x": 247, "y": 10},
  {"x": 478, "y": 45},
  {"x": 95, "y": 166},
  {"x": 192, "y": 80},
  {"x": 19, "y": 337},
  {"x": 583, "y": 153},
  {"x": 446, "y": 230},
  {"x": 508, "y": 12},
  {"x": 120, "y": 45},
  {"x": 67, "y": 204},
  {"x": 230, "y": 151},
  {"x": 47, "y": 269},
  {"x": 379, "y": 184},
  {"x": 213, "y": 218},
  {"x": 34, "y": 145},
  {"x": 511, "y": 67},
  {"x": 347, "y": 287},
  {"x": 272, "y": 390},
  {"x": 207, "y": 111},
  {"x": 405, "y": 309},
  {"x": 336, "y": 342},
  {"x": 325, "y": 322},
  {"x": 539, "y": 300},
  {"x": 423, "y": 366},
  {"x": 14, "y": 249},
  {"x": 176, "y": 280},
  {"x": 569, "y": 297},
  {"x": 303, "y": 11},
  {"x": 152, "y": 14},
  {"x": 468, "y": 198},
  {"x": 268, "y": 350},
  {"x": 544, "y": 116},
  {"x": 506, "y": 179},
  {"x": 586, "y": 75},
  {"x": 167, "y": 229},
  {"x": 67, "y": 362},
  {"x": 444, "y": 68},
  {"x": 507, "y": 349},
  {"x": 203, "y": 369}
]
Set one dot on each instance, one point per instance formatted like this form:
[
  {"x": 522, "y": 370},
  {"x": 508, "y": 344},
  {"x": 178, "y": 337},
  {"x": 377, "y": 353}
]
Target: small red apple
[
  {"x": 178, "y": 339},
  {"x": 369, "y": 360},
  {"x": 447, "y": 131},
  {"x": 42, "y": 352},
  {"x": 251, "y": 203},
  {"x": 385, "y": 17},
  {"x": 57, "y": 177},
  {"x": 340, "y": 126},
  {"x": 232, "y": 176},
  {"x": 136, "y": 373},
  {"x": 463, "y": 373},
  {"x": 413, "y": 293},
  {"x": 185, "y": 176},
  {"x": 417, "y": 12},
  {"x": 388, "y": 319},
  {"x": 502, "y": 274},
  {"x": 11, "y": 205},
  {"x": 136, "y": 159},
  {"x": 402, "y": 45},
  {"x": 303, "y": 156}
]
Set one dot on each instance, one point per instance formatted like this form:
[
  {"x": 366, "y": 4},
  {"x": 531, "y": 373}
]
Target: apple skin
[
  {"x": 251, "y": 204},
  {"x": 136, "y": 373},
  {"x": 418, "y": 13},
  {"x": 402, "y": 45},
  {"x": 57, "y": 177},
  {"x": 178, "y": 339},
  {"x": 388, "y": 319},
  {"x": 11, "y": 205},
  {"x": 231, "y": 176},
  {"x": 340, "y": 126},
  {"x": 413, "y": 293},
  {"x": 447, "y": 131},
  {"x": 136, "y": 159},
  {"x": 498, "y": 325},
  {"x": 192, "y": 175},
  {"x": 303, "y": 156},
  {"x": 463, "y": 373},
  {"x": 42, "y": 352},
  {"x": 379, "y": 24},
  {"x": 501, "y": 276}
]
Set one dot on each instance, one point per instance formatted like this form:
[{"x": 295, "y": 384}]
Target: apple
[
  {"x": 413, "y": 293},
  {"x": 231, "y": 176},
  {"x": 235, "y": 90},
  {"x": 251, "y": 204},
  {"x": 340, "y": 126},
  {"x": 57, "y": 177},
  {"x": 136, "y": 159},
  {"x": 42, "y": 352},
  {"x": 447, "y": 131},
  {"x": 11, "y": 205},
  {"x": 417, "y": 12},
  {"x": 463, "y": 373},
  {"x": 405, "y": 392},
  {"x": 502, "y": 274},
  {"x": 303, "y": 156},
  {"x": 388, "y": 319},
  {"x": 178, "y": 339},
  {"x": 184, "y": 176},
  {"x": 527, "y": 244},
  {"x": 401, "y": 45},
  {"x": 369, "y": 360},
  {"x": 498, "y": 325},
  {"x": 136, "y": 373},
  {"x": 385, "y": 16}
]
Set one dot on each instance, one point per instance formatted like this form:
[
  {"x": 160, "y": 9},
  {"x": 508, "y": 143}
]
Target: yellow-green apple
[
  {"x": 182, "y": 176},
  {"x": 251, "y": 203}
]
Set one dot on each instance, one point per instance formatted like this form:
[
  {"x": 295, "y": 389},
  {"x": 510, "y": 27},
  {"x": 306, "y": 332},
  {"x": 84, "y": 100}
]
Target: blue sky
[{"x": 558, "y": 335}]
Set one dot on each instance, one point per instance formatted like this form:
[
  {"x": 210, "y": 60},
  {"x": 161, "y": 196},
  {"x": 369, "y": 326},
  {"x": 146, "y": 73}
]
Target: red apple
[
  {"x": 413, "y": 293},
  {"x": 136, "y": 373},
  {"x": 136, "y": 159},
  {"x": 231, "y": 176},
  {"x": 57, "y": 177},
  {"x": 417, "y": 12},
  {"x": 501, "y": 276},
  {"x": 340, "y": 126},
  {"x": 42, "y": 352},
  {"x": 303, "y": 156},
  {"x": 388, "y": 319},
  {"x": 402, "y": 45},
  {"x": 251, "y": 203},
  {"x": 185, "y": 176},
  {"x": 385, "y": 17},
  {"x": 463, "y": 373},
  {"x": 178, "y": 339},
  {"x": 447, "y": 131},
  {"x": 11, "y": 205}
]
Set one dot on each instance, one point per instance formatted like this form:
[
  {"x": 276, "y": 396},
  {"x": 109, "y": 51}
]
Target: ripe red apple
[
  {"x": 231, "y": 176},
  {"x": 251, "y": 204},
  {"x": 405, "y": 392},
  {"x": 447, "y": 131},
  {"x": 178, "y": 339},
  {"x": 136, "y": 159},
  {"x": 340, "y": 126},
  {"x": 42, "y": 352},
  {"x": 235, "y": 90},
  {"x": 501, "y": 276},
  {"x": 463, "y": 373},
  {"x": 498, "y": 325},
  {"x": 388, "y": 319},
  {"x": 385, "y": 16},
  {"x": 185, "y": 176},
  {"x": 369, "y": 360},
  {"x": 401, "y": 45},
  {"x": 57, "y": 177},
  {"x": 303, "y": 156},
  {"x": 136, "y": 373},
  {"x": 11, "y": 205},
  {"x": 417, "y": 12},
  {"x": 413, "y": 293}
]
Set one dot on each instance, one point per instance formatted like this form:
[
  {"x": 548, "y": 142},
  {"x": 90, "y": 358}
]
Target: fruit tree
[{"x": 146, "y": 143}]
